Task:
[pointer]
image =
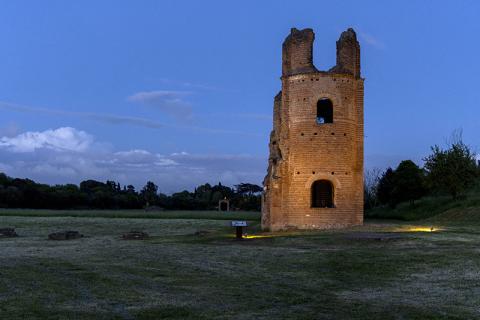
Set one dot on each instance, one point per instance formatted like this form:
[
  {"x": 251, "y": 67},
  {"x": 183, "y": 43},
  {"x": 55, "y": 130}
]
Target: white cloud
[
  {"x": 68, "y": 155},
  {"x": 139, "y": 158},
  {"x": 246, "y": 116},
  {"x": 372, "y": 40},
  {"x": 65, "y": 138},
  {"x": 189, "y": 84},
  {"x": 119, "y": 120},
  {"x": 170, "y": 102},
  {"x": 100, "y": 117},
  {"x": 182, "y": 153}
]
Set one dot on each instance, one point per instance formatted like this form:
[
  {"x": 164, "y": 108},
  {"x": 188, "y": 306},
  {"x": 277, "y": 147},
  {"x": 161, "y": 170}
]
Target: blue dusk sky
[{"x": 181, "y": 92}]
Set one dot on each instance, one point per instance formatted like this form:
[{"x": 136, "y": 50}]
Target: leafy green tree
[
  {"x": 4, "y": 179},
  {"x": 185, "y": 201},
  {"x": 25, "y": 193},
  {"x": 149, "y": 193},
  {"x": 89, "y": 186},
  {"x": 247, "y": 196},
  {"x": 217, "y": 196},
  {"x": 113, "y": 186},
  {"x": 220, "y": 191},
  {"x": 203, "y": 194},
  {"x": 385, "y": 187},
  {"x": 408, "y": 183},
  {"x": 165, "y": 201},
  {"x": 248, "y": 189},
  {"x": 451, "y": 170}
]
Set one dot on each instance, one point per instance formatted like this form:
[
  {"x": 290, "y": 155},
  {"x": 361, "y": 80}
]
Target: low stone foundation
[
  {"x": 135, "y": 235},
  {"x": 8, "y": 233},
  {"x": 65, "y": 235}
]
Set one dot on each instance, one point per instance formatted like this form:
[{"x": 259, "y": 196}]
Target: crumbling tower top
[
  {"x": 348, "y": 54},
  {"x": 297, "y": 55},
  {"x": 297, "y": 52}
]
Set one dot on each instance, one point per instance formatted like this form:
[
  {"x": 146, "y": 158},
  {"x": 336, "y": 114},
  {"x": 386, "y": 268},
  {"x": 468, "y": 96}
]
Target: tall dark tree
[
  {"x": 4, "y": 180},
  {"x": 385, "y": 187},
  {"x": 452, "y": 170},
  {"x": 248, "y": 188},
  {"x": 408, "y": 183},
  {"x": 184, "y": 200},
  {"x": 89, "y": 186},
  {"x": 149, "y": 193}
]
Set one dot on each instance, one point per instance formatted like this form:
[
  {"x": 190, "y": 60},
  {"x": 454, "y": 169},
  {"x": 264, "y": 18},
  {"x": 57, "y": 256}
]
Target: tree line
[
  {"x": 447, "y": 171},
  {"x": 91, "y": 194}
]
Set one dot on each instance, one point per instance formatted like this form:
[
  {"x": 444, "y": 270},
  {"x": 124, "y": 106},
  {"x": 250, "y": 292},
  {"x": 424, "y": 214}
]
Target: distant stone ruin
[
  {"x": 315, "y": 168},
  {"x": 224, "y": 205}
]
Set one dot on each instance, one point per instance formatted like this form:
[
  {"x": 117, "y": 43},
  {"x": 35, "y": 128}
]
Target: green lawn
[
  {"x": 134, "y": 214},
  {"x": 178, "y": 275}
]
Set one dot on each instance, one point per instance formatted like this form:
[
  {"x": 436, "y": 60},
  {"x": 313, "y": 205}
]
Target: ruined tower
[{"x": 315, "y": 169}]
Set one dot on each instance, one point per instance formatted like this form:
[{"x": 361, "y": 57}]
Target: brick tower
[{"x": 315, "y": 168}]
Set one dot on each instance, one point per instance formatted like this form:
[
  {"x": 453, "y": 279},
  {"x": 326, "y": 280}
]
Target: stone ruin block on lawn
[
  {"x": 135, "y": 235},
  {"x": 8, "y": 233},
  {"x": 65, "y": 235},
  {"x": 201, "y": 233}
]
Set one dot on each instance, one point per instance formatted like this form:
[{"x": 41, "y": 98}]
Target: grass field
[
  {"x": 133, "y": 214},
  {"x": 179, "y": 275}
]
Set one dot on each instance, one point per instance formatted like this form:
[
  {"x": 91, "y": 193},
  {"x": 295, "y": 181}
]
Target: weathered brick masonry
[{"x": 315, "y": 171}]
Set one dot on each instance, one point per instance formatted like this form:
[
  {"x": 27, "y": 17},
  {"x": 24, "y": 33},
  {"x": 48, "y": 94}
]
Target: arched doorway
[{"x": 322, "y": 194}]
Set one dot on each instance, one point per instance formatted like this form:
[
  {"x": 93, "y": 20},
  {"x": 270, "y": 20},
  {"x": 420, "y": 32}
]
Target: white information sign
[{"x": 239, "y": 223}]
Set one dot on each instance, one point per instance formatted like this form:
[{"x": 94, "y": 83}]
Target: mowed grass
[
  {"x": 134, "y": 214},
  {"x": 179, "y": 275}
]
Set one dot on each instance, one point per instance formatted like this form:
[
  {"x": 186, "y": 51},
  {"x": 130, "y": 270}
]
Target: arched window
[
  {"x": 324, "y": 111},
  {"x": 322, "y": 194}
]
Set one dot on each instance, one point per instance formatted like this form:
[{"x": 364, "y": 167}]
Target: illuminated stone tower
[{"x": 315, "y": 171}]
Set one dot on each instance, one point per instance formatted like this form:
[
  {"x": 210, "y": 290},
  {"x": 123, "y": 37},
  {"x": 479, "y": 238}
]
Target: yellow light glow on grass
[
  {"x": 422, "y": 229},
  {"x": 251, "y": 236}
]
